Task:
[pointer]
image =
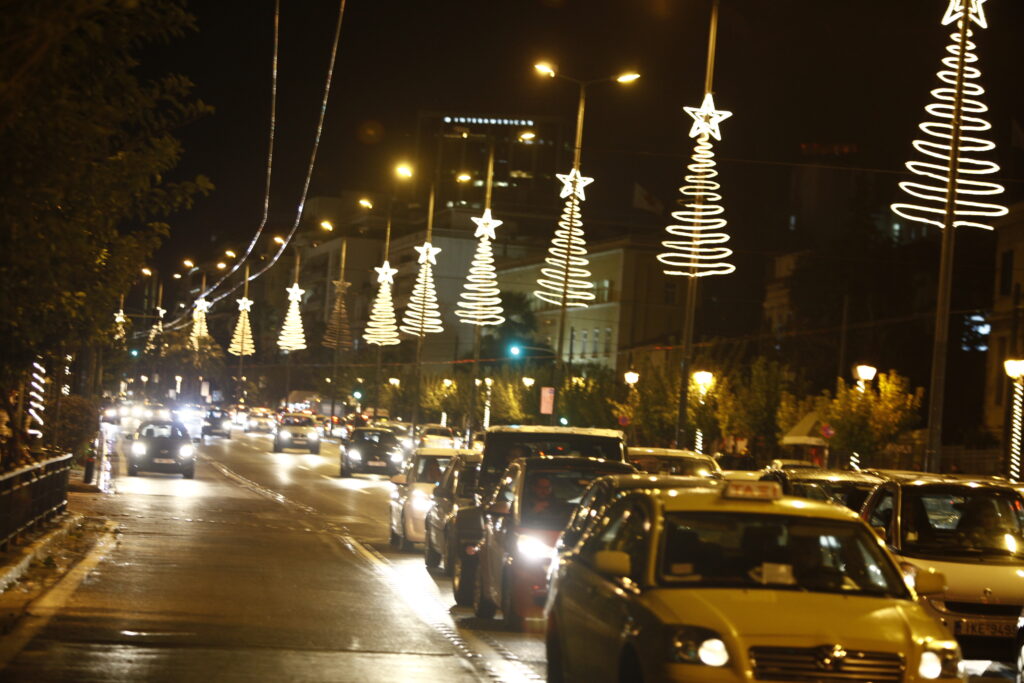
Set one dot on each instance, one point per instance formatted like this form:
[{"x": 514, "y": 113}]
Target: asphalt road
[{"x": 266, "y": 566}]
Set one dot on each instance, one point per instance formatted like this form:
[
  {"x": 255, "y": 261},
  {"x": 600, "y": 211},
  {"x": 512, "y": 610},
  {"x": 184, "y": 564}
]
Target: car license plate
[
  {"x": 376, "y": 463},
  {"x": 994, "y": 629},
  {"x": 164, "y": 461}
]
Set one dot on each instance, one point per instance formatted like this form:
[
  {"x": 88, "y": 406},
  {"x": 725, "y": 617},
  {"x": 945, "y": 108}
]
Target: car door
[
  {"x": 443, "y": 499},
  {"x": 881, "y": 513},
  {"x": 497, "y": 526}
]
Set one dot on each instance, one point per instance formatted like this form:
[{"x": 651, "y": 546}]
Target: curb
[{"x": 16, "y": 566}]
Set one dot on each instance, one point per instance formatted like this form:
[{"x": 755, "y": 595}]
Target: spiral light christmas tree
[
  {"x": 950, "y": 192},
  {"x": 199, "y": 329},
  {"x": 699, "y": 251},
  {"x": 563, "y": 281},
  {"x": 422, "y": 314},
  {"x": 480, "y": 300},
  {"x": 382, "y": 329},
  {"x": 292, "y": 337},
  {"x": 120, "y": 323},
  {"x": 241, "y": 340},
  {"x": 155, "y": 340}
]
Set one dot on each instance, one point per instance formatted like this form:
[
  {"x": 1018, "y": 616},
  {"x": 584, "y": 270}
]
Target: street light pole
[
  {"x": 1015, "y": 371},
  {"x": 337, "y": 346}
]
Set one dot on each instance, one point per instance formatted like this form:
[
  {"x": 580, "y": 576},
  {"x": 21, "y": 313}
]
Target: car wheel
[
  {"x": 463, "y": 578},
  {"x": 483, "y": 607},
  {"x": 315, "y": 450},
  {"x": 431, "y": 557},
  {"x": 512, "y": 618},
  {"x": 133, "y": 471},
  {"x": 344, "y": 471},
  {"x": 553, "y": 652},
  {"x": 190, "y": 473},
  {"x": 396, "y": 540},
  {"x": 277, "y": 446}
]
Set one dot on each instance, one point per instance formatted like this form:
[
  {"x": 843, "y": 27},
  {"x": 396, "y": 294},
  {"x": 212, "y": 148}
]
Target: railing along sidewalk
[{"x": 31, "y": 495}]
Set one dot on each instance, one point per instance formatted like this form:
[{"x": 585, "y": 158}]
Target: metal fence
[{"x": 31, "y": 495}]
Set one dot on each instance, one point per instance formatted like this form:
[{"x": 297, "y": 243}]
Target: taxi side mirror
[
  {"x": 612, "y": 562},
  {"x": 930, "y": 582},
  {"x": 398, "y": 479}
]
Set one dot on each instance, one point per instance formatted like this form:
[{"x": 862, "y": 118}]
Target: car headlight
[
  {"x": 354, "y": 454},
  {"x": 533, "y": 549},
  {"x": 226, "y": 424},
  {"x": 695, "y": 645},
  {"x": 138, "y": 448},
  {"x": 285, "y": 435},
  {"x": 110, "y": 412},
  {"x": 420, "y": 501},
  {"x": 186, "y": 451},
  {"x": 312, "y": 436},
  {"x": 252, "y": 423},
  {"x": 406, "y": 442},
  {"x": 397, "y": 456},
  {"x": 941, "y": 662}
]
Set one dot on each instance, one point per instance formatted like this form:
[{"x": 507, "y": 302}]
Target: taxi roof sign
[{"x": 752, "y": 490}]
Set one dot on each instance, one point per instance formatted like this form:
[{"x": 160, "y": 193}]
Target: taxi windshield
[
  {"x": 775, "y": 552},
  {"x": 679, "y": 465},
  {"x": 429, "y": 468},
  {"x": 297, "y": 421},
  {"x": 962, "y": 521}
]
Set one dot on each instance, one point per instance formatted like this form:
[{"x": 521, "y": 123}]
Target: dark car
[
  {"x": 522, "y": 520},
  {"x": 218, "y": 422},
  {"x": 838, "y": 486},
  {"x": 162, "y": 446},
  {"x": 454, "y": 492},
  {"x": 371, "y": 449}
]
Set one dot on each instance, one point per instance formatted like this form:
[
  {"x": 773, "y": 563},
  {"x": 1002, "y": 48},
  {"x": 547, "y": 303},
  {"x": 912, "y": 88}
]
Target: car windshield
[
  {"x": 429, "y": 469},
  {"x": 374, "y": 436},
  {"x": 776, "y": 552},
  {"x": 550, "y": 495},
  {"x": 162, "y": 430},
  {"x": 955, "y": 520},
  {"x": 674, "y": 464},
  {"x": 501, "y": 448},
  {"x": 297, "y": 421},
  {"x": 437, "y": 431}
]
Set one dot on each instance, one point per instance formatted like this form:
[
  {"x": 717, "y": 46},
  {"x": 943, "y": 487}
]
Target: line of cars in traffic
[{"x": 653, "y": 564}]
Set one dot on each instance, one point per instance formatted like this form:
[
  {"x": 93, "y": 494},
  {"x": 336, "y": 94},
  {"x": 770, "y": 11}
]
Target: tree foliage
[{"x": 867, "y": 421}]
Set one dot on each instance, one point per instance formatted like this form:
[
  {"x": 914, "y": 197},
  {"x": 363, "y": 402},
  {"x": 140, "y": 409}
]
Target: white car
[
  {"x": 411, "y": 498},
  {"x": 297, "y": 430},
  {"x": 436, "y": 436},
  {"x": 260, "y": 422}
]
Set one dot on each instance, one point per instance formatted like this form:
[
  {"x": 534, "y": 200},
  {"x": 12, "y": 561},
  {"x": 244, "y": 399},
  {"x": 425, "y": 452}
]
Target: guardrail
[{"x": 31, "y": 495}]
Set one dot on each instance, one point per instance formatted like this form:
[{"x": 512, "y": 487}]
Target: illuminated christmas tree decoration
[
  {"x": 422, "y": 316},
  {"x": 36, "y": 394},
  {"x": 382, "y": 328},
  {"x": 292, "y": 338},
  {"x": 120, "y": 325},
  {"x": 706, "y": 118},
  {"x": 241, "y": 340},
  {"x": 338, "y": 334},
  {"x": 968, "y": 209},
  {"x": 199, "y": 329},
  {"x": 698, "y": 252},
  {"x": 153, "y": 342},
  {"x": 480, "y": 300},
  {"x": 565, "y": 278},
  {"x": 976, "y": 13}
]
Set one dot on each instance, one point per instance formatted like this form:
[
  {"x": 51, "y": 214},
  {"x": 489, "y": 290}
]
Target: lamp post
[
  {"x": 703, "y": 380},
  {"x": 864, "y": 374},
  {"x": 1015, "y": 370},
  {"x": 567, "y": 261},
  {"x": 448, "y": 384}
]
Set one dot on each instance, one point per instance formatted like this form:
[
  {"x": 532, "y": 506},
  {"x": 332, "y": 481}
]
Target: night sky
[{"x": 792, "y": 71}]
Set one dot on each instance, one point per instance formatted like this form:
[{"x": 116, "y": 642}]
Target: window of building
[
  {"x": 608, "y": 340},
  {"x": 595, "y": 342},
  {"x": 1006, "y": 273},
  {"x": 583, "y": 343}
]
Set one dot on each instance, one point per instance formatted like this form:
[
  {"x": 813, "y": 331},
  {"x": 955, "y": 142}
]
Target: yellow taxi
[{"x": 738, "y": 583}]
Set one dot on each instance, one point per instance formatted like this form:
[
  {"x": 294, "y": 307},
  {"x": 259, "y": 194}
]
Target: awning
[{"x": 807, "y": 432}]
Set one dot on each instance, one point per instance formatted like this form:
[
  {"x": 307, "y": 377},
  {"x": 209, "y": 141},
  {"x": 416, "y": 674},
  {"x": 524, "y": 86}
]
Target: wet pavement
[{"x": 266, "y": 566}]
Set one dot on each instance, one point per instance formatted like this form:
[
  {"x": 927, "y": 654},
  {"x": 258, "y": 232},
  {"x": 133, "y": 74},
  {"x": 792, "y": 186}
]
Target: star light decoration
[
  {"x": 338, "y": 334},
  {"x": 928, "y": 196},
  {"x": 241, "y": 340},
  {"x": 564, "y": 281},
  {"x": 120, "y": 325},
  {"x": 199, "y": 329},
  {"x": 382, "y": 328},
  {"x": 480, "y": 300},
  {"x": 292, "y": 338},
  {"x": 422, "y": 316},
  {"x": 156, "y": 332},
  {"x": 699, "y": 250}
]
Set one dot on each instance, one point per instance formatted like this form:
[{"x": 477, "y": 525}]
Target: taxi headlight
[
  {"x": 420, "y": 501},
  {"x": 312, "y": 436},
  {"x": 285, "y": 435},
  {"x": 138, "y": 448},
  {"x": 397, "y": 456},
  {"x": 939, "y": 663},
  {"x": 226, "y": 424},
  {"x": 533, "y": 549},
  {"x": 110, "y": 412},
  {"x": 354, "y": 454},
  {"x": 694, "y": 645},
  {"x": 407, "y": 442},
  {"x": 186, "y": 451}
]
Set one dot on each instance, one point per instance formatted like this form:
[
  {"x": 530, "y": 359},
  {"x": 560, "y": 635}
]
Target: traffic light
[
  {"x": 515, "y": 350},
  {"x": 357, "y": 395}
]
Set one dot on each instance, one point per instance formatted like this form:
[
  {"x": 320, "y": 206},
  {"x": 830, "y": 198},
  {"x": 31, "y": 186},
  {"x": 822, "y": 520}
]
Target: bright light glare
[
  {"x": 545, "y": 69},
  {"x": 713, "y": 652},
  {"x": 278, "y": 239},
  {"x": 628, "y": 77},
  {"x": 229, "y": 253},
  {"x": 532, "y": 548},
  {"x": 188, "y": 263},
  {"x": 147, "y": 272},
  {"x": 327, "y": 225},
  {"x": 221, "y": 265},
  {"x": 177, "y": 276},
  {"x": 365, "y": 203},
  {"x": 463, "y": 178},
  {"x": 403, "y": 171},
  {"x": 930, "y": 666},
  {"x": 527, "y": 135}
]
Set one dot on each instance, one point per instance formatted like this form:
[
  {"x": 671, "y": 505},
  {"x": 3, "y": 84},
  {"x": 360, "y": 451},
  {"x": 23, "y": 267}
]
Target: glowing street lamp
[
  {"x": 229, "y": 253},
  {"x": 327, "y": 225},
  {"x": 366, "y": 203},
  {"x": 703, "y": 380},
  {"x": 527, "y": 136},
  {"x": 394, "y": 381},
  {"x": 221, "y": 265},
  {"x": 463, "y": 178},
  {"x": 176, "y": 276},
  {"x": 188, "y": 263},
  {"x": 403, "y": 170},
  {"x": 864, "y": 374},
  {"x": 1015, "y": 370},
  {"x": 631, "y": 377},
  {"x": 278, "y": 239},
  {"x": 147, "y": 272},
  {"x": 528, "y": 382}
]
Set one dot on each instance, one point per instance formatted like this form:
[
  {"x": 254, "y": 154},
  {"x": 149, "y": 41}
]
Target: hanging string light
[
  {"x": 241, "y": 340},
  {"x": 931, "y": 192},
  {"x": 699, "y": 251},
  {"x": 480, "y": 300},
  {"x": 565, "y": 278},
  {"x": 422, "y": 314}
]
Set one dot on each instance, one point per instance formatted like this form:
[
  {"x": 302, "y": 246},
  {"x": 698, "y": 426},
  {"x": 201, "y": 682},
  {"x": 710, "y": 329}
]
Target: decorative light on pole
[
  {"x": 241, "y": 340},
  {"x": 528, "y": 382},
  {"x": 949, "y": 193},
  {"x": 199, "y": 329},
  {"x": 422, "y": 314},
  {"x": 120, "y": 323},
  {"x": 631, "y": 377},
  {"x": 1015, "y": 370},
  {"x": 292, "y": 337},
  {"x": 36, "y": 393},
  {"x": 382, "y": 329},
  {"x": 703, "y": 380}
]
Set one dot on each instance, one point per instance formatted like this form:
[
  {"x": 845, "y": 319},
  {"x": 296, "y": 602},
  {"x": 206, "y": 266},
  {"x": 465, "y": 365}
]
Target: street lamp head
[
  {"x": 147, "y": 272},
  {"x": 1014, "y": 368},
  {"x": 448, "y": 383},
  {"x": 394, "y": 381},
  {"x": 366, "y": 203},
  {"x": 527, "y": 136},
  {"x": 463, "y": 178},
  {"x": 704, "y": 380},
  {"x": 631, "y": 377},
  {"x": 327, "y": 225},
  {"x": 221, "y": 265},
  {"x": 545, "y": 69},
  {"x": 278, "y": 239},
  {"x": 177, "y": 276},
  {"x": 528, "y": 382},
  {"x": 864, "y": 372},
  {"x": 229, "y": 253},
  {"x": 403, "y": 170},
  {"x": 627, "y": 77},
  {"x": 188, "y": 263}
]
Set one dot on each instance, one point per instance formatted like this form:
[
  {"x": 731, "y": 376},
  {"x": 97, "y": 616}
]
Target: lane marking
[{"x": 43, "y": 608}]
